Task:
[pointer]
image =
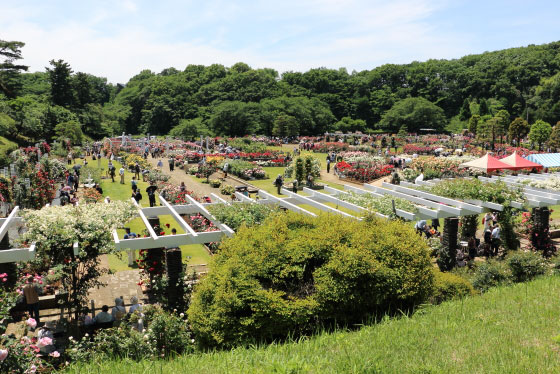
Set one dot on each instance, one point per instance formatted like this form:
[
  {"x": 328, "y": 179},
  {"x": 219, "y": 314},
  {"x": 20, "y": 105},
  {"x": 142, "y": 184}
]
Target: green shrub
[
  {"x": 490, "y": 274},
  {"x": 215, "y": 183},
  {"x": 449, "y": 286},
  {"x": 294, "y": 273},
  {"x": 227, "y": 190},
  {"x": 525, "y": 266}
]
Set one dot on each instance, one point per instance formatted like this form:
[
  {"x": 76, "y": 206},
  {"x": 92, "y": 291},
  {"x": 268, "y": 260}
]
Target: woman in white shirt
[
  {"x": 118, "y": 311},
  {"x": 135, "y": 305}
]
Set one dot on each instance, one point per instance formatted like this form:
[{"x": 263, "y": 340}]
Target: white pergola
[{"x": 428, "y": 206}]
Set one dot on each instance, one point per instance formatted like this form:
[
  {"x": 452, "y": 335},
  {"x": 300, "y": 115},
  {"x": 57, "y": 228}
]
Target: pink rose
[
  {"x": 32, "y": 369},
  {"x": 54, "y": 354},
  {"x": 31, "y": 323},
  {"x": 43, "y": 342},
  {"x": 3, "y": 354}
]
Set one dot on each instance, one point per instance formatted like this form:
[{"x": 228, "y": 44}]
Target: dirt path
[{"x": 199, "y": 189}]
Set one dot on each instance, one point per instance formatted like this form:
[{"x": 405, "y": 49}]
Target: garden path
[{"x": 199, "y": 189}]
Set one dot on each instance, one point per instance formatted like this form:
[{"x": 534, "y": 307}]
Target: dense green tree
[
  {"x": 190, "y": 129},
  {"x": 465, "y": 112},
  {"x": 554, "y": 140},
  {"x": 483, "y": 108},
  {"x": 349, "y": 125},
  {"x": 473, "y": 123},
  {"x": 285, "y": 125},
  {"x": 234, "y": 118},
  {"x": 518, "y": 129},
  {"x": 71, "y": 131},
  {"x": 10, "y": 80},
  {"x": 540, "y": 133},
  {"x": 7, "y": 125},
  {"x": 60, "y": 78},
  {"x": 415, "y": 113}
]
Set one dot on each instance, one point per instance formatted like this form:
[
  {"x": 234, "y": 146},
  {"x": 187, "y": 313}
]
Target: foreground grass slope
[{"x": 507, "y": 330}]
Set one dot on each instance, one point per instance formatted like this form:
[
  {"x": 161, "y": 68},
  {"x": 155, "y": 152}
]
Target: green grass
[
  {"x": 507, "y": 330},
  {"x": 194, "y": 254}
]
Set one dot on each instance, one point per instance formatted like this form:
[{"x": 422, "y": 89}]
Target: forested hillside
[{"x": 239, "y": 100}]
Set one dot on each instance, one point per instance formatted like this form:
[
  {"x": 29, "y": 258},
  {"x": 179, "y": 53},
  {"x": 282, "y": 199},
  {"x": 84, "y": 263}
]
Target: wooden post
[{"x": 92, "y": 302}]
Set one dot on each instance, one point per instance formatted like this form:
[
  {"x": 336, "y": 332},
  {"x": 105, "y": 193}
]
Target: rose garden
[{"x": 300, "y": 235}]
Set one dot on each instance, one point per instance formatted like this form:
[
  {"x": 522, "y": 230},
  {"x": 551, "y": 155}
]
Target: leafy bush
[
  {"x": 448, "y": 286},
  {"x": 227, "y": 190},
  {"x": 293, "y": 273},
  {"x": 215, "y": 183},
  {"x": 237, "y": 215},
  {"x": 490, "y": 274},
  {"x": 525, "y": 266}
]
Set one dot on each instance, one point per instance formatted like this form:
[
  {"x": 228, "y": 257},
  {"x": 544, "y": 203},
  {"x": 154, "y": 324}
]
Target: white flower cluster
[
  {"x": 552, "y": 183},
  {"x": 60, "y": 226}
]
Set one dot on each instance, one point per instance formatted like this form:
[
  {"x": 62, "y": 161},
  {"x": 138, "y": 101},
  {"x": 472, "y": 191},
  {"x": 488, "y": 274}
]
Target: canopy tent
[
  {"x": 548, "y": 160},
  {"x": 519, "y": 162},
  {"x": 487, "y": 163}
]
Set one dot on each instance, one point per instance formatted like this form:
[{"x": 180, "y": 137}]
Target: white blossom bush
[
  {"x": 55, "y": 229},
  {"x": 552, "y": 183}
]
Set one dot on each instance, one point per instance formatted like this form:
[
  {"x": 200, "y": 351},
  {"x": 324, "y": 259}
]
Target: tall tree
[
  {"x": 415, "y": 113},
  {"x": 554, "y": 140},
  {"x": 473, "y": 123},
  {"x": 540, "y": 132},
  {"x": 60, "y": 78},
  {"x": 518, "y": 129},
  {"x": 10, "y": 82},
  {"x": 285, "y": 125},
  {"x": 465, "y": 112}
]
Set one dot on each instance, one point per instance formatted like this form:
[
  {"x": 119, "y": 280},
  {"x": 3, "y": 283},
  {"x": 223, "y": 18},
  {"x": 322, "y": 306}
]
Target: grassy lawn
[
  {"x": 194, "y": 254},
  {"x": 507, "y": 330}
]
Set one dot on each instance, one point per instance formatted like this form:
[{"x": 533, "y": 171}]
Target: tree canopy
[{"x": 240, "y": 100}]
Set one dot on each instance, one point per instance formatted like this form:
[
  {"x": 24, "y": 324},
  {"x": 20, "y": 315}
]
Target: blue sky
[{"x": 117, "y": 39}]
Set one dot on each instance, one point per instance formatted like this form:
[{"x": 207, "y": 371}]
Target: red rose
[{"x": 167, "y": 225}]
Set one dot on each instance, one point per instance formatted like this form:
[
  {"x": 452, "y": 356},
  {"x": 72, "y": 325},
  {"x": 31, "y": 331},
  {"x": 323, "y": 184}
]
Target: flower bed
[
  {"x": 324, "y": 147},
  {"x": 364, "y": 171},
  {"x": 418, "y": 149},
  {"x": 245, "y": 169},
  {"x": 383, "y": 205}
]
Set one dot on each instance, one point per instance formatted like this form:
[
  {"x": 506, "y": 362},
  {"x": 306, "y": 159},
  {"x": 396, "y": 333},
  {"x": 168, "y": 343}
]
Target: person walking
[
  {"x": 496, "y": 240},
  {"x": 31, "y": 294},
  {"x": 121, "y": 173},
  {"x": 151, "y": 191},
  {"x": 328, "y": 164},
  {"x": 171, "y": 162},
  {"x": 225, "y": 169},
  {"x": 134, "y": 184},
  {"x": 278, "y": 182},
  {"x": 137, "y": 170}
]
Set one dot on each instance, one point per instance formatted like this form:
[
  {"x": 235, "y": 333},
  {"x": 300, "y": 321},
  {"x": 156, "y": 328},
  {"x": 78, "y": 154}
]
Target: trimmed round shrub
[
  {"x": 525, "y": 266},
  {"x": 449, "y": 286},
  {"x": 293, "y": 274}
]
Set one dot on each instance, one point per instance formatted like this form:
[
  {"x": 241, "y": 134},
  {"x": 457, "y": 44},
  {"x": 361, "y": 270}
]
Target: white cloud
[{"x": 295, "y": 35}]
